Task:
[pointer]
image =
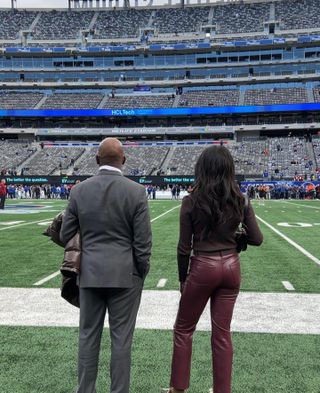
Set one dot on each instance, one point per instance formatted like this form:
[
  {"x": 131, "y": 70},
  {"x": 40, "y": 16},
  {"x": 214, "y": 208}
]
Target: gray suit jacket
[{"x": 113, "y": 216}]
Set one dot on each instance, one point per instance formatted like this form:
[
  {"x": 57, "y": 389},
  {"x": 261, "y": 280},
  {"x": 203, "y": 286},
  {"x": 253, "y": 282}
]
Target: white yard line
[
  {"x": 56, "y": 273},
  {"x": 48, "y": 278},
  {"x": 163, "y": 214},
  {"x": 300, "y": 204},
  {"x": 162, "y": 282},
  {"x": 255, "y": 312},
  {"x": 288, "y": 285},
  {"x": 294, "y": 244},
  {"x": 26, "y": 223}
]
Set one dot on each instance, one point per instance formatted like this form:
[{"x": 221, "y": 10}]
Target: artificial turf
[{"x": 43, "y": 360}]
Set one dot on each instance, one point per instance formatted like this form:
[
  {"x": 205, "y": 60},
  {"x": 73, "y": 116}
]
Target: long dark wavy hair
[{"x": 216, "y": 193}]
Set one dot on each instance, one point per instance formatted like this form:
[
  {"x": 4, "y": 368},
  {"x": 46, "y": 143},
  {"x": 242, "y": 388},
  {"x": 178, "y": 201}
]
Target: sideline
[
  {"x": 53, "y": 275},
  {"x": 294, "y": 244}
]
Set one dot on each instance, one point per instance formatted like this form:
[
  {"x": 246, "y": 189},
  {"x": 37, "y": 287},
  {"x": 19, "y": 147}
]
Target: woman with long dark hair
[{"x": 209, "y": 218}]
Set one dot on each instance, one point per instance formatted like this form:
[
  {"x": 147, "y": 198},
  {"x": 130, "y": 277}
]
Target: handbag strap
[{"x": 246, "y": 207}]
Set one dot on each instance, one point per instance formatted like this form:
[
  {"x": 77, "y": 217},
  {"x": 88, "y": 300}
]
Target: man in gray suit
[{"x": 112, "y": 214}]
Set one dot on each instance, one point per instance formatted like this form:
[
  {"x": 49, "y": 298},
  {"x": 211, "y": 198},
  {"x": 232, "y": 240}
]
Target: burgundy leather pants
[{"x": 216, "y": 278}]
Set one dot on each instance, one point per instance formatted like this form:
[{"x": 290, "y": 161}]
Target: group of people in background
[
  {"x": 258, "y": 191},
  {"x": 38, "y": 191},
  {"x": 283, "y": 191}
]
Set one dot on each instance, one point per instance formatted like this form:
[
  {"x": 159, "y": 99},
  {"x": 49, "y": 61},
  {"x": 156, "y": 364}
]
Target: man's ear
[
  {"x": 124, "y": 160},
  {"x": 97, "y": 159}
]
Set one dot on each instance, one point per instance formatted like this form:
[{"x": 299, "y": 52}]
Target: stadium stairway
[
  {"x": 311, "y": 154},
  {"x": 25, "y": 162},
  {"x": 70, "y": 169},
  {"x": 35, "y": 21},
  {"x": 165, "y": 164},
  {"x": 93, "y": 21},
  {"x": 176, "y": 101},
  {"x": 310, "y": 94},
  {"x": 103, "y": 101},
  {"x": 41, "y": 102}
]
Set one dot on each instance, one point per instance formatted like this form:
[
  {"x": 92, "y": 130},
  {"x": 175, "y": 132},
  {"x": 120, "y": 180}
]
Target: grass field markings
[
  {"x": 162, "y": 282},
  {"x": 165, "y": 213},
  {"x": 48, "y": 278},
  {"x": 293, "y": 243},
  {"x": 26, "y": 223},
  {"x": 288, "y": 285},
  {"x": 7, "y": 223},
  {"x": 44, "y": 223},
  {"x": 53, "y": 275},
  {"x": 302, "y": 205}
]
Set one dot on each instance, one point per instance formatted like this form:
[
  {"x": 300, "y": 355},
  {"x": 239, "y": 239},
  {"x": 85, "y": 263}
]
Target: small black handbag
[{"x": 241, "y": 234}]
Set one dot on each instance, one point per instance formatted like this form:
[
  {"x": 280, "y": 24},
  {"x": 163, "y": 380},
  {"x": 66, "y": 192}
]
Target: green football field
[{"x": 43, "y": 359}]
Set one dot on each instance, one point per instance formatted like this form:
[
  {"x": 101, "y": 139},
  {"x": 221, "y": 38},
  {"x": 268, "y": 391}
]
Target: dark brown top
[{"x": 192, "y": 223}]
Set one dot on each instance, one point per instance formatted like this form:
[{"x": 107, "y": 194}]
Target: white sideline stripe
[
  {"x": 48, "y": 278},
  {"x": 294, "y": 244},
  {"x": 53, "y": 275},
  {"x": 26, "y": 223},
  {"x": 288, "y": 285},
  {"x": 162, "y": 282},
  {"x": 163, "y": 214},
  {"x": 299, "y": 204}
]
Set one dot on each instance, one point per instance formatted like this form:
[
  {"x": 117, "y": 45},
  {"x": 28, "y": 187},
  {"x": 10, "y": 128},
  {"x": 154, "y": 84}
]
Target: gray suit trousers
[{"x": 122, "y": 305}]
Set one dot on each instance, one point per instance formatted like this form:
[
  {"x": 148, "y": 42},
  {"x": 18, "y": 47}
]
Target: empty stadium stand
[
  {"x": 209, "y": 98},
  {"x": 236, "y": 18},
  {"x": 72, "y": 101},
  {"x": 280, "y": 157},
  {"x": 13, "y": 154},
  {"x": 275, "y": 95},
  {"x": 51, "y": 159}
]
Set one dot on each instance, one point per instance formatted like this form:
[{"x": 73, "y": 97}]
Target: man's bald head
[{"x": 111, "y": 153}]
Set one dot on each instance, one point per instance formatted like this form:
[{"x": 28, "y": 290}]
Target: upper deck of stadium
[{"x": 216, "y": 21}]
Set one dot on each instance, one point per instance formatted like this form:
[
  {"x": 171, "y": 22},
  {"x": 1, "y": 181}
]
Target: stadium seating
[
  {"x": 316, "y": 94},
  {"x": 250, "y": 157},
  {"x": 181, "y": 20},
  {"x": 241, "y": 18},
  {"x": 50, "y": 159},
  {"x": 281, "y": 157},
  {"x": 289, "y": 157},
  {"x": 120, "y": 24},
  {"x": 72, "y": 101},
  {"x": 139, "y": 101},
  {"x": 19, "y": 100},
  {"x": 13, "y": 153},
  {"x": 139, "y": 160},
  {"x": 234, "y": 18},
  {"x": 184, "y": 159},
  {"x": 61, "y": 24},
  {"x": 209, "y": 98},
  {"x": 297, "y": 14},
  {"x": 12, "y": 22},
  {"x": 293, "y": 95}
]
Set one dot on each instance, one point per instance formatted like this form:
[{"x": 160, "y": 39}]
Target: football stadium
[{"x": 168, "y": 79}]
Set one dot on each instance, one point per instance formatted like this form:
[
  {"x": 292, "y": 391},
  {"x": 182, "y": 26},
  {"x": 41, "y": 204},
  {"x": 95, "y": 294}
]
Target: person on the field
[
  {"x": 209, "y": 218},
  {"x": 112, "y": 214},
  {"x": 3, "y": 193}
]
